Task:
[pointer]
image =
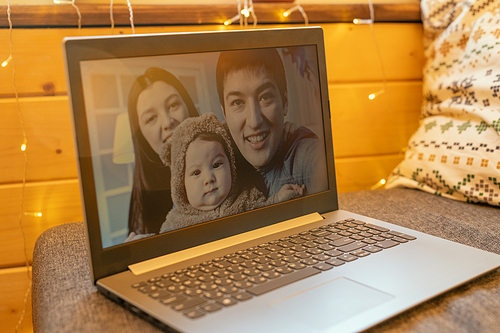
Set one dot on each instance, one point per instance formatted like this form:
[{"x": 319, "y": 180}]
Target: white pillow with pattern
[{"x": 456, "y": 150}]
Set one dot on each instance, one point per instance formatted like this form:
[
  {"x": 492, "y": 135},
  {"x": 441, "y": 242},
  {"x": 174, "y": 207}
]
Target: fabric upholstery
[{"x": 65, "y": 300}]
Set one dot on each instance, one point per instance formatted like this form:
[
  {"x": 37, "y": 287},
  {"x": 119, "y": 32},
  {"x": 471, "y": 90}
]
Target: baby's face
[{"x": 208, "y": 174}]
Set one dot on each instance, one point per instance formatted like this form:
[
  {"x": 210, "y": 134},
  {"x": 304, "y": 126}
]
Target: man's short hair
[{"x": 230, "y": 61}]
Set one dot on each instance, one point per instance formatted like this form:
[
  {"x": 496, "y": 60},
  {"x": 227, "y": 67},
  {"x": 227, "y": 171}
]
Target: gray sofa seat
[{"x": 65, "y": 300}]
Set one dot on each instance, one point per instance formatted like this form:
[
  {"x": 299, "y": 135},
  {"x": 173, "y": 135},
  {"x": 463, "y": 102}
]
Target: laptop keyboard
[{"x": 213, "y": 285}]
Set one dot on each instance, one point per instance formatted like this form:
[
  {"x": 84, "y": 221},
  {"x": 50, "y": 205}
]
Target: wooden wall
[{"x": 368, "y": 135}]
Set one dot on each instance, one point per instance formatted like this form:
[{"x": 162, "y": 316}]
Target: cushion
[{"x": 455, "y": 152}]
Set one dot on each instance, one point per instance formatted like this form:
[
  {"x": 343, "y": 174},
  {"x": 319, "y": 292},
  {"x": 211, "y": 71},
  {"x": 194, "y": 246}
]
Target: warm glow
[
  {"x": 6, "y": 62},
  {"x": 228, "y": 22},
  {"x": 355, "y": 21},
  {"x": 285, "y": 14},
  {"x": 245, "y": 12},
  {"x": 34, "y": 214},
  {"x": 23, "y": 147},
  {"x": 382, "y": 181},
  {"x": 371, "y": 96}
]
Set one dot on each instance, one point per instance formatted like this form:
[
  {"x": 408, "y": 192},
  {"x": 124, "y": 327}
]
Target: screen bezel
[{"x": 111, "y": 260}]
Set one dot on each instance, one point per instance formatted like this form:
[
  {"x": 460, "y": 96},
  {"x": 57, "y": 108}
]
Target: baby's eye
[
  {"x": 217, "y": 164},
  {"x": 173, "y": 105},
  {"x": 195, "y": 172}
]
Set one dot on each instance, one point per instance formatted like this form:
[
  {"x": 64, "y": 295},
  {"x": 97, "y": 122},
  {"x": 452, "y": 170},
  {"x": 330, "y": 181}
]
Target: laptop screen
[{"x": 176, "y": 133}]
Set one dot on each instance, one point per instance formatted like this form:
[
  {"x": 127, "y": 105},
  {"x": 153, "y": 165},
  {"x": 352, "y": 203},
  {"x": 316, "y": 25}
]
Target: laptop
[{"x": 272, "y": 252}]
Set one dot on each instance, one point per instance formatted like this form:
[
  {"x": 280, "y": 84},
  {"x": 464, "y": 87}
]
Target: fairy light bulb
[
  {"x": 6, "y": 62},
  {"x": 245, "y": 12}
]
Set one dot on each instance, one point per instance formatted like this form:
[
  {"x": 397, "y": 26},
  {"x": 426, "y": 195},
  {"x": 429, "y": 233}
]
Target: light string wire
[
  {"x": 23, "y": 187},
  {"x": 243, "y": 14},
  {"x": 72, "y": 3},
  {"x": 381, "y": 182},
  {"x": 379, "y": 54},
  {"x": 111, "y": 17},
  {"x": 131, "y": 16},
  {"x": 300, "y": 9}
]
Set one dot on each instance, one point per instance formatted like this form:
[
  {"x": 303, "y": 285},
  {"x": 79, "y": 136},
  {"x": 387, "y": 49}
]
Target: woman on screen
[{"x": 157, "y": 104}]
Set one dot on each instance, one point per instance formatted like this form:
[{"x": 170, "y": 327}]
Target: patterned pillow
[{"x": 456, "y": 151}]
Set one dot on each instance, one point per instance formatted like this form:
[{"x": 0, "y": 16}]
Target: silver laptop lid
[{"x": 268, "y": 151}]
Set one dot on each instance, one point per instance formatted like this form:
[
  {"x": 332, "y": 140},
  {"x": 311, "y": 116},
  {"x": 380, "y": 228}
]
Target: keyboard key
[
  {"x": 282, "y": 281},
  {"x": 323, "y": 266},
  {"x": 309, "y": 261},
  {"x": 174, "y": 300},
  {"x": 227, "y": 301},
  {"x": 321, "y": 257},
  {"x": 229, "y": 289},
  {"x": 160, "y": 293},
  {"x": 342, "y": 241},
  {"x": 351, "y": 247},
  {"x": 334, "y": 253},
  {"x": 372, "y": 249},
  {"x": 347, "y": 257},
  {"x": 297, "y": 265},
  {"x": 213, "y": 294},
  {"x": 193, "y": 314},
  {"x": 302, "y": 255},
  {"x": 284, "y": 270},
  {"x": 399, "y": 239},
  {"x": 257, "y": 279},
  {"x": 387, "y": 244},
  {"x": 376, "y": 227},
  {"x": 335, "y": 262},
  {"x": 211, "y": 307},
  {"x": 242, "y": 296},
  {"x": 191, "y": 303},
  {"x": 360, "y": 253},
  {"x": 271, "y": 275},
  {"x": 326, "y": 247}
]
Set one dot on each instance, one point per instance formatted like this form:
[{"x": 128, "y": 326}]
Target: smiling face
[
  {"x": 160, "y": 109},
  {"x": 207, "y": 177},
  {"x": 254, "y": 112}
]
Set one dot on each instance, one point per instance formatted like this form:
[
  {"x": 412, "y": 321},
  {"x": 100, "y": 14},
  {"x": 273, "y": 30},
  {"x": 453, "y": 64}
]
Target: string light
[
  {"x": 370, "y": 22},
  {"x": 72, "y": 3},
  {"x": 243, "y": 14},
  {"x": 300, "y": 9},
  {"x": 6, "y": 62},
  {"x": 23, "y": 146},
  {"x": 33, "y": 214},
  {"x": 379, "y": 184},
  {"x": 25, "y": 169},
  {"x": 362, "y": 21}
]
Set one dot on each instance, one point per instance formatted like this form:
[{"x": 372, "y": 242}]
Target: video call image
[{"x": 180, "y": 140}]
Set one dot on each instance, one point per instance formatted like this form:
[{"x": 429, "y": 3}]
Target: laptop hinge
[{"x": 176, "y": 257}]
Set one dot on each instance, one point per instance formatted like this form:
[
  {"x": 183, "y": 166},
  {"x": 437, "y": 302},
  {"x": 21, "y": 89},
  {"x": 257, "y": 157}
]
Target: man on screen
[{"x": 253, "y": 94}]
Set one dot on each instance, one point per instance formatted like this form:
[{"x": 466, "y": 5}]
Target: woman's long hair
[{"x": 150, "y": 200}]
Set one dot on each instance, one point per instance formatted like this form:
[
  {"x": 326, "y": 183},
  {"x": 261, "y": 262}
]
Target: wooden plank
[
  {"x": 361, "y": 128},
  {"x": 352, "y": 56},
  {"x": 50, "y": 149},
  {"x": 14, "y": 283},
  {"x": 350, "y": 50},
  {"x": 58, "y": 201},
  {"x": 383, "y": 126},
  {"x": 361, "y": 173},
  {"x": 98, "y": 14}
]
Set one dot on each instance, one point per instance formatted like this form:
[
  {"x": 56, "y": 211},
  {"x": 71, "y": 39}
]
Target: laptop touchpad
[{"x": 328, "y": 303}]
